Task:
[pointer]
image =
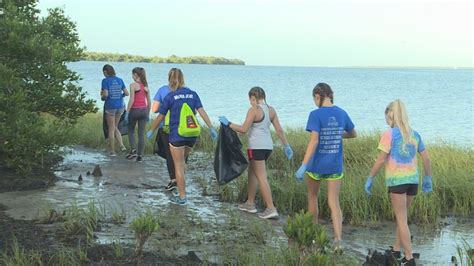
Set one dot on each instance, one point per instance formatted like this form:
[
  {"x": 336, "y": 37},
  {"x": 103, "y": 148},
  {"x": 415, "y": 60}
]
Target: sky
[{"x": 337, "y": 33}]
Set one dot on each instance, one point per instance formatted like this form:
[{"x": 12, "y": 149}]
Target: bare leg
[
  {"x": 334, "y": 187},
  {"x": 260, "y": 171},
  {"x": 313, "y": 193},
  {"x": 399, "y": 204},
  {"x": 396, "y": 245},
  {"x": 118, "y": 135},
  {"x": 251, "y": 185},
  {"x": 178, "y": 158},
  {"x": 178, "y": 154},
  {"x": 111, "y": 126}
]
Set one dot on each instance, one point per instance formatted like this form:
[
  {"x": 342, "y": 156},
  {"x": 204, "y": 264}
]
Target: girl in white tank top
[{"x": 257, "y": 124}]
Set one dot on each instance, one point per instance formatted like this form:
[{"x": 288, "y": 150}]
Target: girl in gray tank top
[
  {"x": 259, "y": 135},
  {"x": 257, "y": 124}
]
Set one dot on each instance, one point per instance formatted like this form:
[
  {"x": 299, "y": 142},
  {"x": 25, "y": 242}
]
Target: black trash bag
[
  {"x": 123, "y": 125},
  {"x": 159, "y": 145},
  {"x": 229, "y": 161}
]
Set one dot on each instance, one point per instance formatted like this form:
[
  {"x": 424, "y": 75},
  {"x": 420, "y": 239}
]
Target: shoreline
[{"x": 211, "y": 219}]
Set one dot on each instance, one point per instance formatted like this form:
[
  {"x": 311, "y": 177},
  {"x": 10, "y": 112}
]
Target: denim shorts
[{"x": 115, "y": 111}]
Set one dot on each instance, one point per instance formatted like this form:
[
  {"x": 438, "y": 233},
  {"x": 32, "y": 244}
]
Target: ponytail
[
  {"x": 323, "y": 90},
  {"x": 140, "y": 71},
  {"x": 397, "y": 117},
  {"x": 258, "y": 93},
  {"x": 175, "y": 79}
]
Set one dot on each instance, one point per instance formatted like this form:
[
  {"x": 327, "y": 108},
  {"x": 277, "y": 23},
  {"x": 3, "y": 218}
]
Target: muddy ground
[{"x": 206, "y": 230}]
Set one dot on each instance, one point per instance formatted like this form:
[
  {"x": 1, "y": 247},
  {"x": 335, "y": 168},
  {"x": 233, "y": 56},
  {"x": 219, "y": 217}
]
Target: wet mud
[{"x": 204, "y": 230}]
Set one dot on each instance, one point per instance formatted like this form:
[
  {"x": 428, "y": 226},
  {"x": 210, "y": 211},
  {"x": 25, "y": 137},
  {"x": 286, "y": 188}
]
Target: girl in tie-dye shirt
[{"x": 398, "y": 149}]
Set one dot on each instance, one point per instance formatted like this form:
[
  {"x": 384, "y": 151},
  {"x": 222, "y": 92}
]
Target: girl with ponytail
[
  {"x": 323, "y": 160},
  {"x": 138, "y": 111},
  {"x": 398, "y": 148},
  {"x": 260, "y": 117}
]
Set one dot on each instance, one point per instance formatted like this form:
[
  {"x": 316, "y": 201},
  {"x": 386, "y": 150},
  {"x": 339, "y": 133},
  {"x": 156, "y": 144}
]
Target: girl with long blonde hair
[
  {"x": 180, "y": 146},
  {"x": 398, "y": 148}
]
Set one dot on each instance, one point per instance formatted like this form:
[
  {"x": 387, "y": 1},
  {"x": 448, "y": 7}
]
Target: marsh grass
[
  {"x": 465, "y": 253},
  {"x": 453, "y": 176},
  {"x": 118, "y": 249},
  {"x": 118, "y": 216},
  {"x": 83, "y": 222},
  {"x": 143, "y": 227},
  {"x": 453, "y": 181},
  {"x": 20, "y": 257},
  {"x": 304, "y": 235}
]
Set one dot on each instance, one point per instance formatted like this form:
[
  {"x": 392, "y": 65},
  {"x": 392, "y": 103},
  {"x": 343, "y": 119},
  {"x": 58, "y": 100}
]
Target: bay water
[{"x": 439, "y": 101}]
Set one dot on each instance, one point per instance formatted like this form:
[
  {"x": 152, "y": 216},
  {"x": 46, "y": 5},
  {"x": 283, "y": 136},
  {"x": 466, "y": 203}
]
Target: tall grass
[
  {"x": 453, "y": 176},
  {"x": 20, "y": 257}
]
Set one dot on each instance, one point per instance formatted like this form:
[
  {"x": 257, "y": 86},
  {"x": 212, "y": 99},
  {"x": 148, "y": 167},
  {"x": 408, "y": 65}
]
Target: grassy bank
[{"x": 453, "y": 177}]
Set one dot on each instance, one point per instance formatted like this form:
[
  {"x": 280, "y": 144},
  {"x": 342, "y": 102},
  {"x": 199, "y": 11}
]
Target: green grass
[
  {"x": 83, "y": 222},
  {"x": 143, "y": 227},
  {"x": 453, "y": 176},
  {"x": 20, "y": 257},
  {"x": 465, "y": 253}
]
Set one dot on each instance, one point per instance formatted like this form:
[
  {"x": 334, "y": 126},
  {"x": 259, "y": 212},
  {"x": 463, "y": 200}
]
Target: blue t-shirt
[
  {"x": 173, "y": 102},
  {"x": 160, "y": 96},
  {"x": 330, "y": 123},
  {"x": 115, "y": 86}
]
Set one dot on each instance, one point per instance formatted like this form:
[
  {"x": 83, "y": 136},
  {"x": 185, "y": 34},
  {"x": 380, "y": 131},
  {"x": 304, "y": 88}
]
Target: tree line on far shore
[{"x": 173, "y": 59}]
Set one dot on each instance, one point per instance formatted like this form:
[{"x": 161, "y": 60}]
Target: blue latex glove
[
  {"x": 149, "y": 134},
  {"x": 213, "y": 134},
  {"x": 427, "y": 184},
  {"x": 368, "y": 185},
  {"x": 300, "y": 173},
  {"x": 288, "y": 151},
  {"x": 224, "y": 120}
]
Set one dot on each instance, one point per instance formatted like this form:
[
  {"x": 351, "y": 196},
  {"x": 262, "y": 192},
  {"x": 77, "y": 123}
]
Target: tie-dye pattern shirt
[{"x": 401, "y": 163}]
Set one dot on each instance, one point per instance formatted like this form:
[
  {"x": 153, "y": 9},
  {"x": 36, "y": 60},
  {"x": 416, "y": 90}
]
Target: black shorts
[
  {"x": 258, "y": 155},
  {"x": 185, "y": 143},
  {"x": 409, "y": 189}
]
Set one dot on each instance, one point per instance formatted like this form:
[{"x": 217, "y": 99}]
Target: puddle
[{"x": 133, "y": 187}]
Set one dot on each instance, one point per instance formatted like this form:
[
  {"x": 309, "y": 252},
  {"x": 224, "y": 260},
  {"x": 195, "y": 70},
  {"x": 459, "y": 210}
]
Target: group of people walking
[{"x": 328, "y": 125}]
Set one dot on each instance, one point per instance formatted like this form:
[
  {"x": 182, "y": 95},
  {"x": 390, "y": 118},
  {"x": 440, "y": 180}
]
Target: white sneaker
[
  {"x": 247, "y": 207},
  {"x": 268, "y": 213}
]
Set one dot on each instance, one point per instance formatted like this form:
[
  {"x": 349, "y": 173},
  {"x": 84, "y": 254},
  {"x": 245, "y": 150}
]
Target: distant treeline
[{"x": 211, "y": 60}]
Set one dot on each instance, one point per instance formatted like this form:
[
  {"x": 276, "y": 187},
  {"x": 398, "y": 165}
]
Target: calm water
[{"x": 439, "y": 102}]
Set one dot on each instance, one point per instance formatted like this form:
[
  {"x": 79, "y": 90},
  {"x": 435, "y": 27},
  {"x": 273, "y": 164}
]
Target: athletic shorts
[
  {"x": 115, "y": 111},
  {"x": 409, "y": 189},
  {"x": 327, "y": 177},
  {"x": 258, "y": 154},
  {"x": 185, "y": 143}
]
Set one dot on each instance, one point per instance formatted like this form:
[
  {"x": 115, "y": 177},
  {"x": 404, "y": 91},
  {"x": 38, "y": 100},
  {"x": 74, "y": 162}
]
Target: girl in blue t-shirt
[
  {"x": 113, "y": 90},
  {"x": 328, "y": 125}
]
